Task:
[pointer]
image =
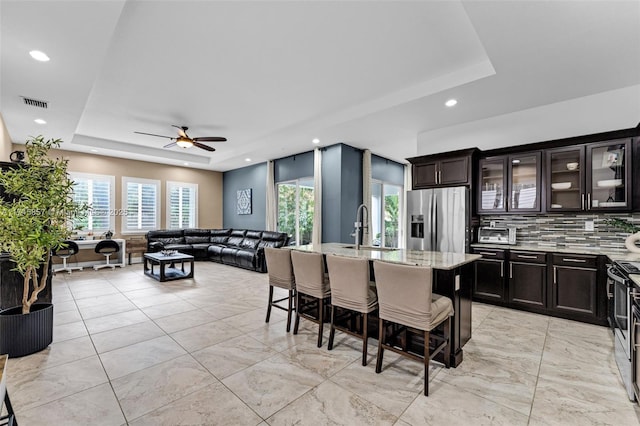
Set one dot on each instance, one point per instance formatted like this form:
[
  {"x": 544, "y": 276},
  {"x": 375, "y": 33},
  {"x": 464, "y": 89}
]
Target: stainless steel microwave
[{"x": 497, "y": 235}]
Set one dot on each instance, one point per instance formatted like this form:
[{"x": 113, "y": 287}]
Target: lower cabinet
[
  {"x": 575, "y": 288},
  {"x": 489, "y": 283},
  {"x": 567, "y": 286}
]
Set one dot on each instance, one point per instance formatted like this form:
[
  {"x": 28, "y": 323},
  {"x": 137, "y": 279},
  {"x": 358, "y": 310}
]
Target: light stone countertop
[
  {"x": 3, "y": 381},
  {"x": 635, "y": 278},
  {"x": 432, "y": 259},
  {"x": 595, "y": 251}
]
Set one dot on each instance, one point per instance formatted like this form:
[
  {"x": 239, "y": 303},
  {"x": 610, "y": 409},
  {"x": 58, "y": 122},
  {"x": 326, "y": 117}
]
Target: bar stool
[
  {"x": 280, "y": 271},
  {"x": 311, "y": 282},
  {"x": 405, "y": 298},
  {"x": 106, "y": 248},
  {"x": 351, "y": 290},
  {"x": 65, "y": 253}
]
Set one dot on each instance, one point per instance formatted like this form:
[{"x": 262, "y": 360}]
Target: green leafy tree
[
  {"x": 391, "y": 210},
  {"x": 36, "y": 213}
]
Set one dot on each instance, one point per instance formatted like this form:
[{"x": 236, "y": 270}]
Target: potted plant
[
  {"x": 34, "y": 219},
  {"x": 633, "y": 230}
]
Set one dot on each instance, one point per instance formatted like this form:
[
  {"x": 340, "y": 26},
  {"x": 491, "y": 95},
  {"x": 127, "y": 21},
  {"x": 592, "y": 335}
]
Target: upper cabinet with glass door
[
  {"x": 510, "y": 183},
  {"x": 565, "y": 179},
  {"x": 608, "y": 175}
]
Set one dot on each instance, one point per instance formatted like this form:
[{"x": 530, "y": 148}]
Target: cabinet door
[
  {"x": 425, "y": 175},
  {"x": 489, "y": 280},
  {"x": 492, "y": 185},
  {"x": 574, "y": 290},
  {"x": 609, "y": 175},
  {"x": 454, "y": 171},
  {"x": 565, "y": 179},
  {"x": 528, "y": 284},
  {"x": 524, "y": 182}
]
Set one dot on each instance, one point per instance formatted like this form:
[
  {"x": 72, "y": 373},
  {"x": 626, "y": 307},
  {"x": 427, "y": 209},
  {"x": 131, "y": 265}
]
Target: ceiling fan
[{"x": 184, "y": 141}]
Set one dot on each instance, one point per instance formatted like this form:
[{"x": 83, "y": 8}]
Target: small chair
[
  {"x": 280, "y": 271},
  {"x": 351, "y": 290},
  {"x": 405, "y": 298},
  {"x": 65, "y": 253},
  {"x": 311, "y": 282},
  {"x": 106, "y": 248}
]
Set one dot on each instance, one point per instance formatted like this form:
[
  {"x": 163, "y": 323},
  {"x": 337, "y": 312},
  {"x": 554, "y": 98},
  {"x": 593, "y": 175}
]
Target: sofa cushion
[
  {"x": 215, "y": 252},
  {"x": 182, "y": 248},
  {"x": 220, "y": 236},
  {"x": 255, "y": 235},
  {"x": 193, "y": 236},
  {"x": 249, "y": 243},
  {"x": 170, "y": 240},
  {"x": 228, "y": 255}
]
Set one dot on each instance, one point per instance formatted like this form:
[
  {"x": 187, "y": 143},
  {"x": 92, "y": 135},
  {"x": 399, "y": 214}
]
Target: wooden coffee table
[{"x": 170, "y": 272}]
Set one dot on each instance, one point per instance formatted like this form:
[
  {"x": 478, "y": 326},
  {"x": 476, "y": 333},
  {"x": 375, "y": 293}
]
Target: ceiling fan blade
[
  {"x": 151, "y": 134},
  {"x": 171, "y": 145},
  {"x": 205, "y": 147},
  {"x": 210, "y": 139},
  {"x": 182, "y": 130}
]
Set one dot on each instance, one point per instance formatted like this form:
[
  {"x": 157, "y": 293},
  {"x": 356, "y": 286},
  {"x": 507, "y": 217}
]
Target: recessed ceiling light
[
  {"x": 40, "y": 121},
  {"x": 451, "y": 102},
  {"x": 316, "y": 140},
  {"x": 186, "y": 164},
  {"x": 39, "y": 56},
  {"x": 94, "y": 150},
  {"x": 247, "y": 159}
]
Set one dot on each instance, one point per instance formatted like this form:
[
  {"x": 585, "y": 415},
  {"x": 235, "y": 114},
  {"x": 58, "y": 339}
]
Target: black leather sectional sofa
[{"x": 236, "y": 247}]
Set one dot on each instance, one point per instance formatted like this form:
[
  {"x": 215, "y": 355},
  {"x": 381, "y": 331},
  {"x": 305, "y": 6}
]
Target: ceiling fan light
[{"x": 184, "y": 142}]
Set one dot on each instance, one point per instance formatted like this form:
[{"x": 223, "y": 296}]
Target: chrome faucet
[{"x": 360, "y": 219}]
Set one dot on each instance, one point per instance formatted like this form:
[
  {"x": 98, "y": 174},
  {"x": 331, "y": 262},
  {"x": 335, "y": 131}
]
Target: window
[
  {"x": 386, "y": 212},
  {"x": 98, "y": 192},
  {"x": 295, "y": 210},
  {"x": 182, "y": 205},
  {"x": 141, "y": 199}
]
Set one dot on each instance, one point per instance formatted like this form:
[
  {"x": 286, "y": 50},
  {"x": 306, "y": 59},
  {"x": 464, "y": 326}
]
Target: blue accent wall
[
  {"x": 351, "y": 190},
  {"x": 254, "y": 177},
  {"x": 331, "y": 196},
  {"x": 293, "y": 167},
  {"x": 387, "y": 170}
]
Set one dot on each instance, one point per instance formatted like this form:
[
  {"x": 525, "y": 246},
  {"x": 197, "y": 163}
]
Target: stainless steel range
[{"x": 622, "y": 295}]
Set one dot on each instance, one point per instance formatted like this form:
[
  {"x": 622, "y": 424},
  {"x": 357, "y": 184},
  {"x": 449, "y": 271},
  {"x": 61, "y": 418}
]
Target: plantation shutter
[
  {"x": 97, "y": 192},
  {"x": 142, "y": 208},
  {"x": 181, "y": 205}
]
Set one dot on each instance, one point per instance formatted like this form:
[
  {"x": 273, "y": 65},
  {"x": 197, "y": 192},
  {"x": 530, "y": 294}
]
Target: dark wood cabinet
[
  {"x": 489, "y": 284},
  {"x": 510, "y": 183},
  {"x": 574, "y": 285},
  {"x": 527, "y": 284},
  {"x": 439, "y": 170},
  {"x": 590, "y": 177}
]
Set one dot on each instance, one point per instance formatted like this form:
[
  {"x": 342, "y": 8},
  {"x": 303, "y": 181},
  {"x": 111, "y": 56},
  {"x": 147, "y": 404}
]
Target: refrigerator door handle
[{"x": 435, "y": 224}]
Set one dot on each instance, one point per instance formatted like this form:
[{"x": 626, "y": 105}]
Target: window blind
[
  {"x": 141, "y": 205},
  {"x": 181, "y": 205},
  {"x": 96, "y": 191}
]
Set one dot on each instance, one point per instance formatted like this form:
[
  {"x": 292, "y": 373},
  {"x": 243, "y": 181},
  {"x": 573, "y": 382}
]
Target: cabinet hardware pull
[
  {"x": 440, "y": 177},
  {"x": 582, "y": 201},
  {"x": 589, "y": 201},
  {"x": 486, "y": 253},
  {"x": 502, "y": 269},
  {"x": 555, "y": 275},
  {"x": 574, "y": 260},
  {"x": 511, "y": 270},
  {"x": 609, "y": 294},
  {"x": 633, "y": 333},
  {"x": 522, "y": 256},
  {"x": 435, "y": 175}
]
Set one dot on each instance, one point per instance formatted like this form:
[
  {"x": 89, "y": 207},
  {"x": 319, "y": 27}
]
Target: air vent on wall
[{"x": 35, "y": 103}]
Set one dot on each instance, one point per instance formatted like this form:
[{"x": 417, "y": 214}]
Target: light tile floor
[{"x": 130, "y": 350}]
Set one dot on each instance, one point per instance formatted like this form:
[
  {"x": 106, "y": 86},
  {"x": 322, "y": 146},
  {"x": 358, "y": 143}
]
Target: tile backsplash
[{"x": 565, "y": 230}]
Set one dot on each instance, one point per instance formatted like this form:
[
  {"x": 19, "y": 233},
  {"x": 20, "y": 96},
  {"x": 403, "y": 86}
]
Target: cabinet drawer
[
  {"x": 490, "y": 253},
  {"x": 579, "y": 261},
  {"x": 528, "y": 256}
]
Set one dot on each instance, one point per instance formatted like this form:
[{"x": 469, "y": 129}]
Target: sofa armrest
[
  {"x": 156, "y": 246},
  {"x": 261, "y": 263}
]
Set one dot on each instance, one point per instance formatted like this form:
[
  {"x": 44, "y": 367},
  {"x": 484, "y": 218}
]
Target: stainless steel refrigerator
[{"x": 438, "y": 219}]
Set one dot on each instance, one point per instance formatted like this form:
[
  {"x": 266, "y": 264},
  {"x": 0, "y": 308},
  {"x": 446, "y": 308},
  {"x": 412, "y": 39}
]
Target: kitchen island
[{"x": 452, "y": 277}]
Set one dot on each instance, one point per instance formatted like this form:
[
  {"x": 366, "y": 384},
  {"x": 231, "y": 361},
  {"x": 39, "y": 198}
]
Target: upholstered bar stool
[
  {"x": 351, "y": 290},
  {"x": 311, "y": 282},
  {"x": 280, "y": 271},
  {"x": 405, "y": 298}
]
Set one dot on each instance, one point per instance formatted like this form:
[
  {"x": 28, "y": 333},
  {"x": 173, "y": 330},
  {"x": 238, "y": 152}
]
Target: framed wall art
[{"x": 244, "y": 201}]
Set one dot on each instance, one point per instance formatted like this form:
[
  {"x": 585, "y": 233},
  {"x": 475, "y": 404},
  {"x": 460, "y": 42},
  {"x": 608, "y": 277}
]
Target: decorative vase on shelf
[{"x": 631, "y": 241}]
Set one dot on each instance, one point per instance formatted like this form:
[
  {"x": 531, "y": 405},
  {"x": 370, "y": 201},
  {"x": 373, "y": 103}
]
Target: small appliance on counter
[{"x": 497, "y": 235}]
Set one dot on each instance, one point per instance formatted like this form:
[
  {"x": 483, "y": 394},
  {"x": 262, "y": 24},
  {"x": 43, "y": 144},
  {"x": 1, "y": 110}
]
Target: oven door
[
  {"x": 621, "y": 308},
  {"x": 635, "y": 351}
]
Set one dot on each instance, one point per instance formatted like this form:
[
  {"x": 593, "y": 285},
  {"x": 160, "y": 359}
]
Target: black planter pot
[{"x": 24, "y": 334}]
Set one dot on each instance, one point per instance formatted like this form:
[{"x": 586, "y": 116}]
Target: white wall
[
  {"x": 612, "y": 110},
  {"x": 5, "y": 141}
]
